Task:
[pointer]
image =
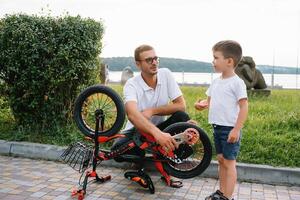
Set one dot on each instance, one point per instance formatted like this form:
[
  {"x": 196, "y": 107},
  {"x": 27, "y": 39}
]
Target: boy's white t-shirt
[
  {"x": 224, "y": 96},
  {"x": 137, "y": 90}
]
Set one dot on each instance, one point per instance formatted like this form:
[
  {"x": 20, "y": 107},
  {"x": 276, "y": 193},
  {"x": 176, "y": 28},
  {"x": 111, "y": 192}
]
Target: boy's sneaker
[
  {"x": 214, "y": 196},
  {"x": 217, "y": 195}
]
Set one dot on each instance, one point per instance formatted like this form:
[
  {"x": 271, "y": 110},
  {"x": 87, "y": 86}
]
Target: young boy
[{"x": 228, "y": 109}]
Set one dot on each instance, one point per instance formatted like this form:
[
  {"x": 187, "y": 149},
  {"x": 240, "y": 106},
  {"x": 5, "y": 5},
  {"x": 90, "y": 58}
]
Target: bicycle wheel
[
  {"x": 99, "y": 98},
  {"x": 193, "y": 160}
]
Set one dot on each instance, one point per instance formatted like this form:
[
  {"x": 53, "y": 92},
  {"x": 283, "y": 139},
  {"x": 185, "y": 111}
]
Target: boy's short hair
[
  {"x": 230, "y": 49},
  {"x": 141, "y": 49}
]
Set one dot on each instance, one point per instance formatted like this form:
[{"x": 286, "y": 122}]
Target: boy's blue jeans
[{"x": 229, "y": 150}]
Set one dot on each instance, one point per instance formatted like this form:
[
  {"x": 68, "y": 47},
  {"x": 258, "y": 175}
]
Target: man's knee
[
  {"x": 118, "y": 142},
  {"x": 128, "y": 136},
  {"x": 181, "y": 116}
]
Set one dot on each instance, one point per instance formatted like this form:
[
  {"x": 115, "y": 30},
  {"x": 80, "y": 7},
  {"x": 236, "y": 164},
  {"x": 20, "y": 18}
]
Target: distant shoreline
[
  {"x": 190, "y": 66},
  {"x": 190, "y": 72},
  {"x": 207, "y": 85},
  {"x": 278, "y": 81}
]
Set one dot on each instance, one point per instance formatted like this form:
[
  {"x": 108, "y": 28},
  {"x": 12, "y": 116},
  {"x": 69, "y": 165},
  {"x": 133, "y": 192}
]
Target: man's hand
[
  {"x": 166, "y": 141},
  {"x": 201, "y": 105},
  {"x": 191, "y": 121},
  {"x": 233, "y": 136},
  {"x": 147, "y": 113}
]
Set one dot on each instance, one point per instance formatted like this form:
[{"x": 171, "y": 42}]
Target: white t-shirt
[
  {"x": 224, "y": 96},
  {"x": 137, "y": 90}
]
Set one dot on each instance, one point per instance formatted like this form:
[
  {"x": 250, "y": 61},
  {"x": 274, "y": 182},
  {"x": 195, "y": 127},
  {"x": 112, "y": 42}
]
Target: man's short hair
[
  {"x": 229, "y": 49},
  {"x": 141, "y": 49}
]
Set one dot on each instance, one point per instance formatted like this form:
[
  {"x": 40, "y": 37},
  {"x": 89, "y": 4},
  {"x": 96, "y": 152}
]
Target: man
[{"x": 147, "y": 101}]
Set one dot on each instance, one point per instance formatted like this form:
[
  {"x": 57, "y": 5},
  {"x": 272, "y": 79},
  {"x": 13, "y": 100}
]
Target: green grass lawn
[{"x": 271, "y": 134}]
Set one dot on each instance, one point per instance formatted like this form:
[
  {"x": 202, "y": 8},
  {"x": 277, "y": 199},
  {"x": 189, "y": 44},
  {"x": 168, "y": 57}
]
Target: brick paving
[{"x": 22, "y": 178}]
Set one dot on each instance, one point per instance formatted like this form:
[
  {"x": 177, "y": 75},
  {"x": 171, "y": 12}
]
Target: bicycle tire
[
  {"x": 203, "y": 163},
  {"x": 84, "y": 113}
]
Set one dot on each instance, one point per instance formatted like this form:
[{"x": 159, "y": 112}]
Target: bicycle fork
[{"x": 99, "y": 117}]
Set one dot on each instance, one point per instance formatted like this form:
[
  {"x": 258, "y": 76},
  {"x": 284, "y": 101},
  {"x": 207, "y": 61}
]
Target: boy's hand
[
  {"x": 191, "y": 121},
  {"x": 201, "y": 105},
  {"x": 233, "y": 136}
]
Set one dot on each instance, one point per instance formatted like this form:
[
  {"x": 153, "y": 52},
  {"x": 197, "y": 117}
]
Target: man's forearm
[
  {"x": 143, "y": 124},
  {"x": 168, "y": 109},
  {"x": 177, "y": 104}
]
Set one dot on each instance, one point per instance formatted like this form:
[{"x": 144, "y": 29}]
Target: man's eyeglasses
[{"x": 150, "y": 59}]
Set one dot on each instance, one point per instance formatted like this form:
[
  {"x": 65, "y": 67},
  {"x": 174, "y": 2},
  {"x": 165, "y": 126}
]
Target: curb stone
[{"x": 246, "y": 172}]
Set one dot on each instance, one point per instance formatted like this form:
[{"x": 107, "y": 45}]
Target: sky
[{"x": 268, "y": 30}]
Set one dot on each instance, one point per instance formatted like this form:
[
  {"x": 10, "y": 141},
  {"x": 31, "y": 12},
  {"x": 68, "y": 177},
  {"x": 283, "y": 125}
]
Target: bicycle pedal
[
  {"x": 75, "y": 192},
  {"x": 142, "y": 179},
  {"x": 189, "y": 136},
  {"x": 136, "y": 177}
]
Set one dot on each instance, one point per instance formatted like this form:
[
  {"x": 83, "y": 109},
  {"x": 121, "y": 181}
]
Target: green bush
[{"x": 44, "y": 61}]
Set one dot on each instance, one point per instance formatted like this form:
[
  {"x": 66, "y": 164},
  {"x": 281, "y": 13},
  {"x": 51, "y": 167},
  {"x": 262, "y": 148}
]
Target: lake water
[{"x": 287, "y": 81}]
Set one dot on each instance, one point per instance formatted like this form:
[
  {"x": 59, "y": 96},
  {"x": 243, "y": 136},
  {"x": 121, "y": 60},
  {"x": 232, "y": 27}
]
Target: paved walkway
[{"x": 22, "y": 178}]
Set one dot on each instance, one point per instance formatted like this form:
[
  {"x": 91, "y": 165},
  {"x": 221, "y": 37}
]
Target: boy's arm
[
  {"x": 243, "y": 104},
  {"x": 242, "y": 116},
  {"x": 208, "y": 101}
]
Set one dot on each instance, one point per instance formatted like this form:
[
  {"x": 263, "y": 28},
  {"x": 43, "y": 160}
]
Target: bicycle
[{"x": 101, "y": 107}]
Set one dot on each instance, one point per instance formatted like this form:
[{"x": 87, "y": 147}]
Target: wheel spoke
[
  {"x": 193, "y": 160},
  {"x": 99, "y": 101}
]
